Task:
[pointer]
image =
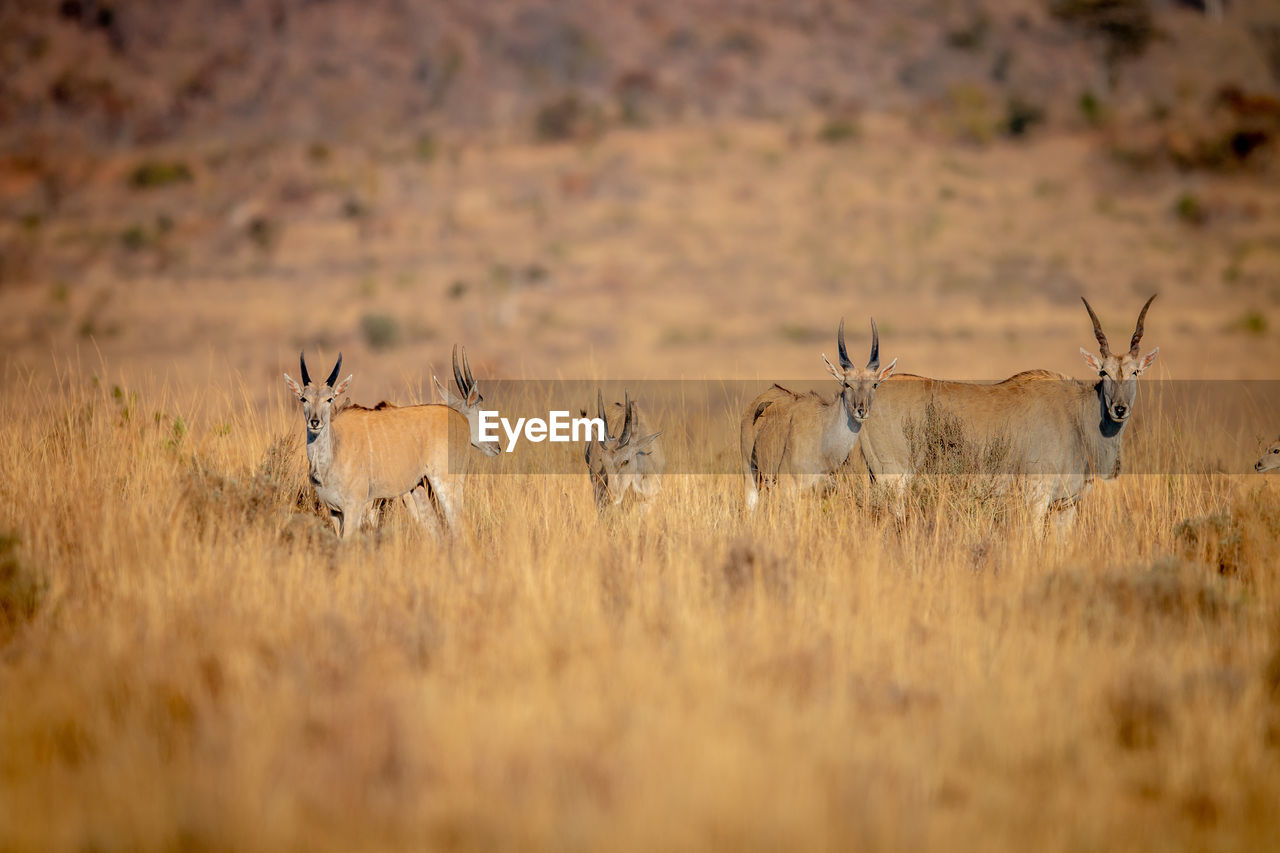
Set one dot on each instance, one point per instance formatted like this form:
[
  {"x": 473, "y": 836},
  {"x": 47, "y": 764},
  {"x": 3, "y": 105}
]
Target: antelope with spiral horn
[
  {"x": 468, "y": 404},
  {"x": 1057, "y": 435},
  {"x": 358, "y": 455},
  {"x": 804, "y": 438},
  {"x": 630, "y": 462}
]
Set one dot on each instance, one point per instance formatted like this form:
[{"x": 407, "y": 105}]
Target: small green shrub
[
  {"x": 971, "y": 114},
  {"x": 972, "y": 34},
  {"x": 1021, "y": 116},
  {"x": 381, "y": 331},
  {"x": 744, "y": 42},
  {"x": 152, "y": 174},
  {"x": 1252, "y": 323},
  {"x": 564, "y": 118},
  {"x": 1190, "y": 209},
  {"x": 801, "y": 334},
  {"x": 1126, "y": 27},
  {"x": 264, "y": 233},
  {"x": 1091, "y": 108},
  {"x": 425, "y": 148},
  {"x": 835, "y": 131}
]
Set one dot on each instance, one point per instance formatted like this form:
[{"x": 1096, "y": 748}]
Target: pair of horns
[
  {"x": 306, "y": 377},
  {"x": 466, "y": 381},
  {"x": 628, "y": 407},
  {"x": 1103, "y": 346},
  {"x": 874, "y": 362}
]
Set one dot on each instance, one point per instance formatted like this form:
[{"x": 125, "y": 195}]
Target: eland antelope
[
  {"x": 632, "y": 461},
  {"x": 1056, "y": 433},
  {"x": 467, "y": 405},
  {"x": 805, "y": 437},
  {"x": 359, "y": 455},
  {"x": 1270, "y": 460}
]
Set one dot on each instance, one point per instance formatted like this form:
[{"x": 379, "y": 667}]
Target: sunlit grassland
[{"x": 191, "y": 660}]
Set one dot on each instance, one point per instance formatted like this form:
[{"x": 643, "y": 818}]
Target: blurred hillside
[
  {"x": 97, "y": 72},
  {"x": 635, "y": 188}
]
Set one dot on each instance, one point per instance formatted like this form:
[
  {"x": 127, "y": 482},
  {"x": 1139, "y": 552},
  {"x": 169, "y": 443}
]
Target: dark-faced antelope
[
  {"x": 804, "y": 438},
  {"x": 631, "y": 461},
  {"x": 1055, "y": 433},
  {"x": 359, "y": 455},
  {"x": 1270, "y": 459}
]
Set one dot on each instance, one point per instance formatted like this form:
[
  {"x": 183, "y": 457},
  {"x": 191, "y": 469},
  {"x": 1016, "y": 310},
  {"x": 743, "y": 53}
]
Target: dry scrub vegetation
[{"x": 191, "y": 661}]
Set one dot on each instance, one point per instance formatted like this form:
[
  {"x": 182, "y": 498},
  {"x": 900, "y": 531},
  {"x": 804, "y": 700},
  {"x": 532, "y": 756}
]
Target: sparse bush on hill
[
  {"x": 972, "y": 34},
  {"x": 1021, "y": 115},
  {"x": 971, "y": 115},
  {"x": 566, "y": 118},
  {"x": 381, "y": 331},
  {"x": 839, "y": 129},
  {"x": 1092, "y": 108},
  {"x": 152, "y": 174},
  {"x": 1126, "y": 27},
  {"x": 263, "y": 233},
  {"x": 1190, "y": 209}
]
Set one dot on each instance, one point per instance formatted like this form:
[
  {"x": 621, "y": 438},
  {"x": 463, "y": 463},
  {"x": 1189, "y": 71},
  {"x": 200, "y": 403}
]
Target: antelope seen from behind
[
  {"x": 630, "y": 462},
  {"x": 1055, "y": 433},
  {"x": 358, "y": 455},
  {"x": 803, "y": 438}
]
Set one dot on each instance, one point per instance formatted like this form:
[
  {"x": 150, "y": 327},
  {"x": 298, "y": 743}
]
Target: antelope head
[
  {"x": 858, "y": 384},
  {"x": 613, "y": 462},
  {"x": 469, "y": 403},
  {"x": 1270, "y": 460},
  {"x": 1119, "y": 373},
  {"x": 317, "y": 399}
]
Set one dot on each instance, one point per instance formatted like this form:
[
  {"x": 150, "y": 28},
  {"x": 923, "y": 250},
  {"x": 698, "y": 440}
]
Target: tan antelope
[
  {"x": 1057, "y": 434},
  {"x": 467, "y": 405},
  {"x": 359, "y": 455},
  {"x": 804, "y": 438},
  {"x": 1270, "y": 460},
  {"x": 630, "y": 462}
]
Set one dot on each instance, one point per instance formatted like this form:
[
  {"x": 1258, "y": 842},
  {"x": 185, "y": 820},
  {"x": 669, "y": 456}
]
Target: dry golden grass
[
  {"x": 207, "y": 668},
  {"x": 188, "y": 659}
]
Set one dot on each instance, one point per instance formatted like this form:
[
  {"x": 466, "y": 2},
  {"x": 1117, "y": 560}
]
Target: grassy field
[
  {"x": 189, "y": 660},
  {"x": 192, "y": 662}
]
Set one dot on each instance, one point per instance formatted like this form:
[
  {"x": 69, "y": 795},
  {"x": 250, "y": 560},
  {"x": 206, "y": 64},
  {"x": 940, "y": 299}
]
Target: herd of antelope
[{"x": 1069, "y": 434}]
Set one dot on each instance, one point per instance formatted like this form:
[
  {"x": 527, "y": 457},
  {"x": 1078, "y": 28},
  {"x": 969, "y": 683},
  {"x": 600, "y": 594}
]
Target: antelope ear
[
  {"x": 293, "y": 386},
  {"x": 832, "y": 369},
  {"x": 473, "y": 397},
  {"x": 1090, "y": 359},
  {"x": 1150, "y": 357},
  {"x": 342, "y": 386},
  {"x": 441, "y": 391},
  {"x": 643, "y": 445},
  {"x": 886, "y": 372}
]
